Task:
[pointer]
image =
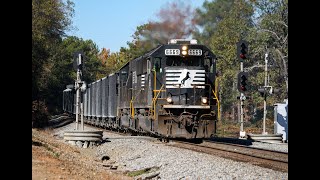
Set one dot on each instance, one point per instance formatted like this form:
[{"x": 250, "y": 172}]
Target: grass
[
  {"x": 46, "y": 146},
  {"x": 55, "y": 154},
  {"x": 141, "y": 171},
  {"x": 138, "y": 172},
  {"x": 231, "y": 129}
]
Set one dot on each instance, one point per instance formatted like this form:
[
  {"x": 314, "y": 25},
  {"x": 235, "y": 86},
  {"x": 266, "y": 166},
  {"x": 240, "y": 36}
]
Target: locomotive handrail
[
  {"x": 155, "y": 83},
  {"x": 218, "y": 102},
  {"x": 131, "y": 107},
  {"x": 153, "y": 110}
]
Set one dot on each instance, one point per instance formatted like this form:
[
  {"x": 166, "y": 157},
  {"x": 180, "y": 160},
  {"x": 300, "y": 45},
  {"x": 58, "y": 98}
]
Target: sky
[{"x": 111, "y": 23}]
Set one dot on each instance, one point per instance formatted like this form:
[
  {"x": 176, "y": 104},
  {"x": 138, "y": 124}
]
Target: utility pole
[{"x": 265, "y": 90}]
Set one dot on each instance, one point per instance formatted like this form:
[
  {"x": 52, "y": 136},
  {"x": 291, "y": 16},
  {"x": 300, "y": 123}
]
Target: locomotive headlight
[
  {"x": 204, "y": 100},
  {"x": 184, "y": 48},
  {"x": 169, "y": 99},
  {"x": 184, "y": 53}
]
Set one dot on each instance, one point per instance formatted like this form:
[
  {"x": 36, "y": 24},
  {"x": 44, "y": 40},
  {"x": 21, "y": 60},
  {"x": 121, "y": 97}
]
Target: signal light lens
[{"x": 242, "y": 56}]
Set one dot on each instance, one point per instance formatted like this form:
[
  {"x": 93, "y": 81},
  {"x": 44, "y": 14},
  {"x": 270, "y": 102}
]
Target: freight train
[{"x": 167, "y": 92}]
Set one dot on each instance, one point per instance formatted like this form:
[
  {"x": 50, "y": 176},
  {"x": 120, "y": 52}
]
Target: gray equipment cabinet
[{"x": 281, "y": 119}]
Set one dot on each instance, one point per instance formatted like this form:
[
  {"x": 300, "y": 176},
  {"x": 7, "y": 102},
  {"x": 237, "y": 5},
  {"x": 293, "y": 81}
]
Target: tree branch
[
  {"x": 283, "y": 23},
  {"x": 266, "y": 30},
  {"x": 284, "y": 67}
]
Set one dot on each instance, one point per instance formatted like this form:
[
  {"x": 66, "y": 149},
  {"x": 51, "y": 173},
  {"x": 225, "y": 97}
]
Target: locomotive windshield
[
  {"x": 190, "y": 61},
  {"x": 184, "y": 61}
]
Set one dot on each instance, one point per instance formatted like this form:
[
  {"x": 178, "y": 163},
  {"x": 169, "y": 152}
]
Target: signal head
[{"x": 242, "y": 50}]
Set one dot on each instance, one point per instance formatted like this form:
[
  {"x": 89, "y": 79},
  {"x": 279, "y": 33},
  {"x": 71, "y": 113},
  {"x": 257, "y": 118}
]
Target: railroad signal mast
[
  {"x": 79, "y": 86},
  {"x": 264, "y": 92},
  {"x": 242, "y": 54}
]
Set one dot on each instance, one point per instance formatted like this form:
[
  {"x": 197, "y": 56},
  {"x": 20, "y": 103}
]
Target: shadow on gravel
[
  {"x": 36, "y": 143},
  {"x": 59, "y": 121},
  {"x": 231, "y": 140},
  {"x": 105, "y": 140},
  {"x": 63, "y": 123},
  {"x": 195, "y": 141}
]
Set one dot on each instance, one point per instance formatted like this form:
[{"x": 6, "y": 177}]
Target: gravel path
[
  {"x": 131, "y": 154},
  {"x": 283, "y": 147}
]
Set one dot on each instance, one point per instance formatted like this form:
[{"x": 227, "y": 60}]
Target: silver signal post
[
  {"x": 265, "y": 94},
  {"x": 242, "y": 98},
  {"x": 79, "y": 86}
]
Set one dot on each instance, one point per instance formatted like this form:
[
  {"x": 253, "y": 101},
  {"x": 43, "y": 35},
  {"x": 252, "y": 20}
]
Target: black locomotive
[{"x": 168, "y": 92}]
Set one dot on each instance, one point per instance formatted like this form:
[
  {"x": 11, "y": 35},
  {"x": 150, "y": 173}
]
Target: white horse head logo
[{"x": 186, "y": 78}]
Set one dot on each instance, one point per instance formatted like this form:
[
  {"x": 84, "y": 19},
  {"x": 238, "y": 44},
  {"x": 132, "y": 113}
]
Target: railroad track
[
  {"x": 261, "y": 157},
  {"x": 275, "y": 160}
]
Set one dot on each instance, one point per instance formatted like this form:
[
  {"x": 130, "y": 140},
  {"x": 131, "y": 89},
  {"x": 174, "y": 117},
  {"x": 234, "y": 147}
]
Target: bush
[{"x": 39, "y": 114}]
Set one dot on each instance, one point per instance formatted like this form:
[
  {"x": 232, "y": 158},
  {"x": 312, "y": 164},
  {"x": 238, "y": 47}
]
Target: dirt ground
[{"x": 54, "y": 159}]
